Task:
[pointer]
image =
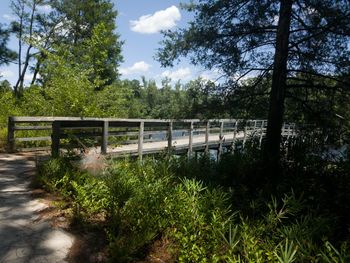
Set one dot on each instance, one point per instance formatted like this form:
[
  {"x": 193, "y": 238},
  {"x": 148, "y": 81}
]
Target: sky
[{"x": 139, "y": 23}]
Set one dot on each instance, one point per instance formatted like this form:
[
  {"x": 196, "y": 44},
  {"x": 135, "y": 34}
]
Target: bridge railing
[{"x": 105, "y": 133}]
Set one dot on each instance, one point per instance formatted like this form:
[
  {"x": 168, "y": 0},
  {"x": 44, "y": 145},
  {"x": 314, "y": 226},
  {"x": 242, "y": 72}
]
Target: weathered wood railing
[{"x": 139, "y": 136}]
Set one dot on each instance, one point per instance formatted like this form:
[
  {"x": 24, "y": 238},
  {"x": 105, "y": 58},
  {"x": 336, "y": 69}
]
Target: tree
[
  {"x": 85, "y": 28},
  {"x": 89, "y": 26},
  {"x": 267, "y": 39},
  {"x": 6, "y": 55},
  {"x": 5, "y": 86},
  {"x": 203, "y": 100},
  {"x": 25, "y": 10}
]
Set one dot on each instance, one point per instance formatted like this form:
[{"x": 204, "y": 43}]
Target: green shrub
[{"x": 208, "y": 219}]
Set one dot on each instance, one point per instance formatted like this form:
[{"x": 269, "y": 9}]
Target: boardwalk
[
  {"x": 23, "y": 237},
  {"x": 179, "y": 145},
  {"x": 122, "y": 137}
]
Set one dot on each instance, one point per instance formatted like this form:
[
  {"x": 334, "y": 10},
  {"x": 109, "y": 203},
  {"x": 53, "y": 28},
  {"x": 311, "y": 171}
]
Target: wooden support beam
[
  {"x": 234, "y": 137},
  {"x": 294, "y": 130},
  {"x": 190, "y": 140},
  {"x": 140, "y": 142},
  {"x": 170, "y": 137},
  {"x": 261, "y": 133},
  {"x": 11, "y": 135},
  {"x": 104, "y": 143},
  {"x": 55, "y": 144},
  {"x": 207, "y": 132},
  {"x": 221, "y": 139},
  {"x": 244, "y": 135}
]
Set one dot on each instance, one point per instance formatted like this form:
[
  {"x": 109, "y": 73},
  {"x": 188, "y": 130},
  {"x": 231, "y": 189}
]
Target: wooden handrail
[{"x": 142, "y": 131}]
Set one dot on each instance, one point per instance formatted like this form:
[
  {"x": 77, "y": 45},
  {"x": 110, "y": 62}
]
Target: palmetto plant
[{"x": 286, "y": 253}]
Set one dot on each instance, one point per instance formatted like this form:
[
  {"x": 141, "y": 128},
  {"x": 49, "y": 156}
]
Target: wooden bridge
[{"x": 136, "y": 137}]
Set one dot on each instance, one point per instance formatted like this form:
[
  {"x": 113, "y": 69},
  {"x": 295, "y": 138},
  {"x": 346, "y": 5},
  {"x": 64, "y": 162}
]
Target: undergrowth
[{"x": 213, "y": 212}]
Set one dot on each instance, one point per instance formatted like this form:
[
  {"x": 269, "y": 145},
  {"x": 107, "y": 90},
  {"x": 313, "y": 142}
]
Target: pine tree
[
  {"x": 89, "y": 26},
  {"x": 6, "y": 55},
  {"x": 286, "y": 40}
]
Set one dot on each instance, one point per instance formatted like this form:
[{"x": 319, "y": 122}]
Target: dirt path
[{"x": 24, "y": 237}]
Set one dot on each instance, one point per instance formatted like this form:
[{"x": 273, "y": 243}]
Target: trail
[{"x": 24, "y": 237}]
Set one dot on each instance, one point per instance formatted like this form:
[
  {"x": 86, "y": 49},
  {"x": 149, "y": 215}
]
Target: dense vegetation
[{"x": 204, "y": 211}]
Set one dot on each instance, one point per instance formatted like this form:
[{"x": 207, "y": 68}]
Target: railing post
[
  {"x": 170, "y": 137},
  {"x": 140, "y": 143},
  {"x": 234, "y": 137},
  {"x": 254, "y": 129},
  {"x": 104, "y": 143},
  {"x": 207, "y": 132},
  {"x": 261, "y": 133},
  {"x": 55, "y": 139},
  {"x": 245, "y": 134},
  {"x": 293, "y": 130},
  {"x": 11, "y": 135},
  {"x": 190, "y": 140},
  {"x": 221, "y": 138},
  {"x": 290, "y": 131}
]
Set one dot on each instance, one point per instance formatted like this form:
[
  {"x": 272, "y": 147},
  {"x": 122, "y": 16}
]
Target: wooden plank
[
  {"x": 190, "y": 142},
  {"x": 111, "y": 120},
  {"x": 104, "y": 137},
  {"x": 221, "y": 137},
  {"x": 32, "y": 128},
  {"x": 207, "y": 132},
  {"x": 81, "y": 123},
  {"x": 55, "y": 145},
  {"x": 29, "y": 139},
  {"x": 11, "y": 135},
  {"x": 261, "y": 133},
  {"x": 244, "y": 136},
  {"x": 35, "y": 149},
  {"x": 233, "y": 146},
  {"x": 140, "y": 142},
  {"x": 50, "y": 119},
  {"x": 170, "y": 137}
]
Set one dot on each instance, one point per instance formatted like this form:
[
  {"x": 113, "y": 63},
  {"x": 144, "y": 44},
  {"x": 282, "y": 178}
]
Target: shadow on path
[{"x": 23, "y": 237}]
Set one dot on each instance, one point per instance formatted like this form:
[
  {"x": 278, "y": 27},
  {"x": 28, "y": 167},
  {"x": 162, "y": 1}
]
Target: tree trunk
[
  {"x": 21, "y": 14},
  {"x": 19, "y": 84},
  {"x": 36, "y": 70},
  {"x": 278, "y": 88}
]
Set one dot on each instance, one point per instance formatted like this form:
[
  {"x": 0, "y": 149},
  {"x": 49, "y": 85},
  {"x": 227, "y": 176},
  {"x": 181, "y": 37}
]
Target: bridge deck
[{"x": 179, "y": 145}]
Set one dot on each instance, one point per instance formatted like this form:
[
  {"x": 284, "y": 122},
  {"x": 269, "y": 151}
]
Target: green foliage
[
  {"x": 6, "y": 55},
  {"x": 286, "y": 253},
  {"x": 8, "y": 107},
  {"x": 331, "y": 254},
  {"x": 87, "y": 30},
  {"x": 207, "y": 220}
]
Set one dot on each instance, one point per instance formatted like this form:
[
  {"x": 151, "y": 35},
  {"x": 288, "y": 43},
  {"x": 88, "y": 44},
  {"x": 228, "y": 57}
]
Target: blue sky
[{"x": 138, "y": 23}]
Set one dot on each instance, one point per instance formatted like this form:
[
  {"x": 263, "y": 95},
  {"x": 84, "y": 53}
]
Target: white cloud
[
  {"x": 45, "y": 8},
  {"x": 180, "y": 74},
  {"x": 9, "y": 17},
  {"x": 212, "y": 75},
  {"x": 7, "y": 74},
  {"x": 138, "y": 67},
  {"x": 160, "y": 20},
  {"x": 28, "y": 76}
]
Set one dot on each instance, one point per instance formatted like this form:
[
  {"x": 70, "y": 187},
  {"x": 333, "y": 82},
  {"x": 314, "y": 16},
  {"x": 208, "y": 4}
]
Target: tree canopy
[
  {"x": 298, "y": 44},
  {"x": 6, "y": 55}
]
